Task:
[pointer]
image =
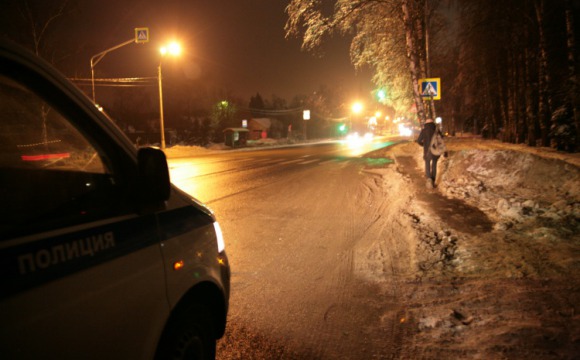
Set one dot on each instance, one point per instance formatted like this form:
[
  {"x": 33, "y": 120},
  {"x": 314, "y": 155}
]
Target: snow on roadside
[
  {"x": 178, "y": 151},
  {"x": 526, "y": 193},
  {"x": 510, "y": 292},
  {"x": 513, "y": 186}
]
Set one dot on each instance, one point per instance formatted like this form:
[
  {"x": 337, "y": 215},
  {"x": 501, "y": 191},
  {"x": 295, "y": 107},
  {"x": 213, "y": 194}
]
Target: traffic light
[
  {"x": 381, "y": 94},
  {"x": 342, "y": 128}
]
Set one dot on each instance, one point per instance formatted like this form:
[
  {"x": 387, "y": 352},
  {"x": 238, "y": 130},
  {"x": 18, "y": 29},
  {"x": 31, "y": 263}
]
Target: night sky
[{"x": 236, "y": 45}]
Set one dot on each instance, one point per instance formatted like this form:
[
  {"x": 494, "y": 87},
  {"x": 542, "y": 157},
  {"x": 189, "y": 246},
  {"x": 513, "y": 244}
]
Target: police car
[{"x": 100, "y": 256}]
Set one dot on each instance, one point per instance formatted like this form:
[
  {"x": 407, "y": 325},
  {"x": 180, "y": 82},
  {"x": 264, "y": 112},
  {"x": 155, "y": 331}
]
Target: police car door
[{"x": 81, "y": 271}]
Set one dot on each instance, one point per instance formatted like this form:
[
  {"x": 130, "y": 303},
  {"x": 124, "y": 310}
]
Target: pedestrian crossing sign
[
  {"x": 430, "y": 88},
  {"x": 141, "y": 35}
]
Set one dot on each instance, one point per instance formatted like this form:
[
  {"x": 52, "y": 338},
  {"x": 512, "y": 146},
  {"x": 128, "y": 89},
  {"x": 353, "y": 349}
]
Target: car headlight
[{"x": 219, "y": 237}]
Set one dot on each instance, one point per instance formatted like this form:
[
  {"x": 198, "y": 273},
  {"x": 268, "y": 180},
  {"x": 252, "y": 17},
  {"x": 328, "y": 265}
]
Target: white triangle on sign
[
  {"x": 142, "y": 35},
  {"x": 430, "y": 90}
]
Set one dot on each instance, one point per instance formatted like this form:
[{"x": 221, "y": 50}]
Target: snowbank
[
  {"x": 513, "y": 185},
  {"x": 508, "y": 290},
  {"x": 187, "y": 150}
]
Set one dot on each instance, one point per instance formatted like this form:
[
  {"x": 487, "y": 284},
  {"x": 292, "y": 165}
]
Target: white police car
[{"x": 100, "y": 256}]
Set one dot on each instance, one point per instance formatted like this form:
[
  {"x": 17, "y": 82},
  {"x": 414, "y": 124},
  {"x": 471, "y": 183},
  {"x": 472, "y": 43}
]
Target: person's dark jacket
[{"x": 425, "y": 137}]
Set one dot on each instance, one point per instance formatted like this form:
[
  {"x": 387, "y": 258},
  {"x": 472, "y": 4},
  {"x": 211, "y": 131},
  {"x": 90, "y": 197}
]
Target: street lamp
[
  {"x": 173, "y": 49},
  {"x": 98, "y": 57},
  {"x": 141, "y": 36},
  {"x": 357, "y": 108}
]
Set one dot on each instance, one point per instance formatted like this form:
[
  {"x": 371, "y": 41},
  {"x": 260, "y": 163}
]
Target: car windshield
[
  {"x": 34, "y": 134},
  {"x": 50, "y": 173}
]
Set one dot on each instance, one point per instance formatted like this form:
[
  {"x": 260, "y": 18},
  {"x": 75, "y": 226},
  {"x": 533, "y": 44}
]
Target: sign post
[
  {"x": 430, "y": 90},
  {"x": 305, "y": 117},
  {"x": 141, "y": 36}
]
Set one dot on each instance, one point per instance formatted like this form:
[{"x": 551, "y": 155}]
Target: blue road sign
[
  {"x": 430, "y": 88},
  {"x": 141, "y": 35}
]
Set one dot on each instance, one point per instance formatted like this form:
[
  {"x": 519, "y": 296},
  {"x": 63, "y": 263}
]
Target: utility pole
[
  {"x": 427, "y": 13},
  {"x": 141, "y": 36},
  {"x": 98, "y": 57}
]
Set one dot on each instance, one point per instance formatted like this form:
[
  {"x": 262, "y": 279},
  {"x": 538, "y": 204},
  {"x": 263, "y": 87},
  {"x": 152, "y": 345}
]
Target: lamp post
[
  {"x": 172, "y": 49},
  {"x": 161, "y": 125},
  {"x": 98, "y": 57},
  {"x": 356, "y": 108}
]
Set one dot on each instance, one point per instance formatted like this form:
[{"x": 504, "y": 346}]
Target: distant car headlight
[
  {"x": 405, "y": 131},
  {"x": 219, "y": 237}
]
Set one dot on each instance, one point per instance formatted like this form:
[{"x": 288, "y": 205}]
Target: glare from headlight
[
  {"x": 219, "y": 237},
  {"x": 404, "y": 130}
]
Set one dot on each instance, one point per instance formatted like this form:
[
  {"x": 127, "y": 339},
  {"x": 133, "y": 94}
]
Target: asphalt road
[
  {"x": 211, "y": 178},
  {"x": 292, "y": 219}
]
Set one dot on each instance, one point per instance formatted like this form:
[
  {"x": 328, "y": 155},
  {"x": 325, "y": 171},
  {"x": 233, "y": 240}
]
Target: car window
[
  {"x": 36, "y": 136},
  {"x": 51, "y": 175}
]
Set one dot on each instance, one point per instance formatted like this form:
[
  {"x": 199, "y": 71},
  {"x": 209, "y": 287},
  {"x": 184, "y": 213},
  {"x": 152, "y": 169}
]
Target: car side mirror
[{"x": 153, "y": 180}]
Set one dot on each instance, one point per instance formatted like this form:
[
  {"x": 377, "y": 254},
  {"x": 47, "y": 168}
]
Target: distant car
[
  {"x": 100, "y": 256},
  {"x": 355, "y": 138}
]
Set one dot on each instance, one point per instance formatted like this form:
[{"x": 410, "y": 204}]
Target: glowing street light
[
  {"x": 173, "y": 49},
  {"x": 357, "y": 107},
  {"x": 381, "y": 94}
]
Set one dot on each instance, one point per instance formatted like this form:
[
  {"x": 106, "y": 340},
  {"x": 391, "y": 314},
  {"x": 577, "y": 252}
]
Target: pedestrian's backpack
[{"x": 437, "y": 146}]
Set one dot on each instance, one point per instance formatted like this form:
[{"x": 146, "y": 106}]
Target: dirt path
[{"x": 456, "y": 213}]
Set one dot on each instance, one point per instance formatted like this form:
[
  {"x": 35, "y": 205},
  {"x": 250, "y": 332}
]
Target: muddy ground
[{"x": 494, "y": 255}]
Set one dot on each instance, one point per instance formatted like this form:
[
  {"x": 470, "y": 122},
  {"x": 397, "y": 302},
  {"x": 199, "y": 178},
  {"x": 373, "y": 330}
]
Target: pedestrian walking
[{"x": 430, "y": 156}]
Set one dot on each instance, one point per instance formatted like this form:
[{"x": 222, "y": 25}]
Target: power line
[
  {"x": 274, "y": 111},
  {"x": 118, "y": 82}
]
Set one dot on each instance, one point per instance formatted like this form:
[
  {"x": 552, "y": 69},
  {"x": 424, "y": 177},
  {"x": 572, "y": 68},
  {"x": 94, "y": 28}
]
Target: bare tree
[{"x": 37, "y": 25}]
